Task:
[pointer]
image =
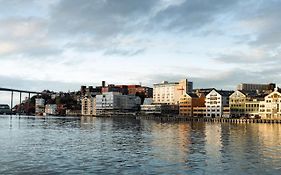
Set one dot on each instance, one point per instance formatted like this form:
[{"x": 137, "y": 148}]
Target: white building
[
  {"x": 170, "y": 92},
  {"x": 114, "y": 102},
  {"x": 270, "y": 108},
  {"x": 216, "y": 102},
  {"x": 39, "y": 106},
  {"x": 51, "y": 109}
]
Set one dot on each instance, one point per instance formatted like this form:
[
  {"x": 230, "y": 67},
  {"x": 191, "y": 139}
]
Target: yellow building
[
  {"x": 252, "y": 108},
  {"x": 237, "y": 103},
  {"x": 245, "y": 104},
  {"x": 270, "y": 108},
  {"x": 185, "y": 104}
]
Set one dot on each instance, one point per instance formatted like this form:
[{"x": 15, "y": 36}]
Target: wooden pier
[{"x": 218, "y": 120}]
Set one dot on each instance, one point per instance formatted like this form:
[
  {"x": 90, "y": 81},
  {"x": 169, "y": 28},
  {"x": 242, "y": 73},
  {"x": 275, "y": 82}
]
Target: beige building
[
  {"x": 270, "y": 108},
  {"x": 170, "y": 92},
  {"x": 88, "y": 106},
  {"x": 245, "y": 103}
]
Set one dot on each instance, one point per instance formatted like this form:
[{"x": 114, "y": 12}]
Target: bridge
[{"x": 20, "y": 92}]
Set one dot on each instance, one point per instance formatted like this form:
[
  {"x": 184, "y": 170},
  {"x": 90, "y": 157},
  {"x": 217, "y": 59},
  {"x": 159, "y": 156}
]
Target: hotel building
[{"x": 170, "y": 92}]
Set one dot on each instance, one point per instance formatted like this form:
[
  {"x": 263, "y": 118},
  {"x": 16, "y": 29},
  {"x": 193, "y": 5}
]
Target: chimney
[{"x": 103, "y": 83}]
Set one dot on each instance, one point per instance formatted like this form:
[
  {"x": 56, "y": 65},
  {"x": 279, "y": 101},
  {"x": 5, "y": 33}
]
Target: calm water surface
[{"x": 30, "y": 145}]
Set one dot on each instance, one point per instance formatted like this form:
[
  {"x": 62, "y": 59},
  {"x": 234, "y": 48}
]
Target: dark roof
[
  {"x": 224, "y": 92},
  {"x": 204, "y": 91},
  {"x": 254, "y": 94},
  {"x": 193, "y": 95}
]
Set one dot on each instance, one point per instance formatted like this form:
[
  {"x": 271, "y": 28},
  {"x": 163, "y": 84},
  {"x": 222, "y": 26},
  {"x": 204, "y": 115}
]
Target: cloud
[
  {"x": 27, "y": 37},
  {"x": 102, "y": 25},
  {"x": 36, "y": 85},
  {"x": 251, "y": 56},
  {"x": 140, "y": 40}
]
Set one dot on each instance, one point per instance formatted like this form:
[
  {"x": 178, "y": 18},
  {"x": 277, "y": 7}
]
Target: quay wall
[{"x": 221, "y": 120}]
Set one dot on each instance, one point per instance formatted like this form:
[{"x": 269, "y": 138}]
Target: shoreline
[{"x": 213, "y": 120}]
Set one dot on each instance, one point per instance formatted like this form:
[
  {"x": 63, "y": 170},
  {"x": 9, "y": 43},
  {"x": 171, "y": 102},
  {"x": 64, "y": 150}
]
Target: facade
[
  {"x": 187, "y": 102},
  {"x": 170, "y": 92},
  {"x": 39, "y": 106},
  {"x": 252, "y": 108},
  {"x": 147, "y": 92},
  {"x": 88, "y": 106},
  {"x": 256, "y": 87},
  {"x": 215, "y": 103},
  {"x": 199, "y": 111},
  {"x": 270, "y": 108},
  {"x": 160, "y": 109},
  {"x": 114, "y": 103},
  {"x": 51, "y": 109},
  {"x": 237, "y": 103},
  {"x": 151, "y": 109},
  {"x": 245, "y": 103}
]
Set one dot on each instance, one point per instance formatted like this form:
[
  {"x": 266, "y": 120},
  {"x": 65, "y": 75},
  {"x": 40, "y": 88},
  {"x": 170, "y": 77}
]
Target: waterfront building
[
  {"x": 147, "y": 92},
  {"x": 256, "y": 87},
  {"x": 189, "y": 101},
  {"x": 170, "y": 92},
  {"x": 215, "y": 103},
  {"x": 51, "y": 109},
  {"x": 149, "y": 108},
  {"x": 39, "y": 106},
  {"x": 245, "y": 103},
  {"x": 88, "y": 106},
  {"x": 270, "y": 108},
  {"x": 114, "y": 103},
  {"x": 252, "y": 108}
]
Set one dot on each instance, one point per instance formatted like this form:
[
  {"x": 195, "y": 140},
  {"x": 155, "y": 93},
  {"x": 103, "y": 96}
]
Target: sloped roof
[
  {"x": 192, "y": 95},
  {"x": 224, "y": 92}
]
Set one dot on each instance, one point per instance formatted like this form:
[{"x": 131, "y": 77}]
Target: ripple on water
[{"x": 30, "y": 145}]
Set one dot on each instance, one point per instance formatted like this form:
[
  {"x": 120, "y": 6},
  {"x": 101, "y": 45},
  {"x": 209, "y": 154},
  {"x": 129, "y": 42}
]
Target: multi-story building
[
  {"x": 51, "y": 109},
  {"x": 39, "y": 106},
  {"x": 147, "y": 92},
  {"x": 216, "y": 102},
  {"x": 245, "y": 103},
  {"x": 170, "y": 92},
  {"x": 256, "y": 87},
  {"x": 114, "y": 103},
  {"x": 88, "y": 106},
  {"x": 270, "y": 108},
  {"x": 188, "y": 102}
]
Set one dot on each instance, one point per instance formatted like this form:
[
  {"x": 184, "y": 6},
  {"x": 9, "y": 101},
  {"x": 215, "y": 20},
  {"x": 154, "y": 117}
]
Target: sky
[{"x": 63, "y": 44}]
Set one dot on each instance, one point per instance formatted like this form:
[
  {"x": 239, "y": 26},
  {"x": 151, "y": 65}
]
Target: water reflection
[{"x": 130, "y": 146}]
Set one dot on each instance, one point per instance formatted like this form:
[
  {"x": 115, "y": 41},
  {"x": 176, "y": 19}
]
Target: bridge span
[{"x": 20, "y": 92}]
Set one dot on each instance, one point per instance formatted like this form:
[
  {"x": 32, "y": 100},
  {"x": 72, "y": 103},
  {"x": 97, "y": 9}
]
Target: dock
[{"x": 217, "y": 120}]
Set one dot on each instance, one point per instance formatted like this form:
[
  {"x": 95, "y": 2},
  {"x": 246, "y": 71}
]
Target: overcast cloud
[{"x": 62, "y": 44}]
